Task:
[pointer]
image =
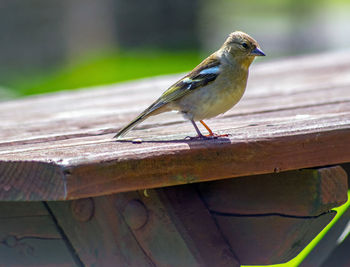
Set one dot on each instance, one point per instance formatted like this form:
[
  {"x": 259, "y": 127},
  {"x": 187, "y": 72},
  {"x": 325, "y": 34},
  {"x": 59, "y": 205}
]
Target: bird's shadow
[{"x": 188, "y": 140}]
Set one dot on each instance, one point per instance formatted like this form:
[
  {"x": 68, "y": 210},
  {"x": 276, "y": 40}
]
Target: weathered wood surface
[
  {"x": 308, "y": 192},
  {"x": 30, "y": 237},
  {"x": 269, "y": 219},
  {"x": 98, "y": 233},
  {"x": 272, "y": 239},
  {"x": 130, "y": 229},
  {"x": 295, "y": 114},
  {"x": 190, "y": 225},
  {"x": 186, "y": 225}
]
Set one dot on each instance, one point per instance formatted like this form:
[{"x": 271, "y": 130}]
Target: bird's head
[{"x": 240, "y": 45}]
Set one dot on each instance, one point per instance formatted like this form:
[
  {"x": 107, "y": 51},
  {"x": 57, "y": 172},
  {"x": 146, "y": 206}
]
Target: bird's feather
[{"x": 203, "y": 74}]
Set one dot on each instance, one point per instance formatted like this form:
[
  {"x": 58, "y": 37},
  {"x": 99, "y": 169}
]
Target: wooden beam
[
  {"x": 29, "y": 237},
  {"x": 308, "y": 192},
  {"x": 98, "y": 233},
  {"x": 130, "y": 229},
  {"x": 174, "y": 227},
  {"x": 31, "y": 180},
  {"x": 273, "y": 239}
]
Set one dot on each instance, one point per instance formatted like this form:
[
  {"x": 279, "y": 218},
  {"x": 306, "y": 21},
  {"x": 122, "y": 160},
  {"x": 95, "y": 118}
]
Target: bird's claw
[
  {"x": 205, "y": 137},
  {"x": 218, "y": 135},
  {"x": 199, "y": 137}
]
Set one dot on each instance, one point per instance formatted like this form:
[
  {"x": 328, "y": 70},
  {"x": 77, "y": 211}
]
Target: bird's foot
[
  {"x": 214, "y": 135},
  {"x": 205, "y": 137},
  {"x": 198, "y": 137}
]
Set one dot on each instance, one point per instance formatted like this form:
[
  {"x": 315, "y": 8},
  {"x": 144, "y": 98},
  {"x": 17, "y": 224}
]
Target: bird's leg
[
  {"x": 211, "y": 134},
  {"x": 208, "y": 129},
  {"x": 200, "y": 135}
]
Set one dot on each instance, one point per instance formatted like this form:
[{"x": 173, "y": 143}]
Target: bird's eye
[{"x": 245, "y": 45}]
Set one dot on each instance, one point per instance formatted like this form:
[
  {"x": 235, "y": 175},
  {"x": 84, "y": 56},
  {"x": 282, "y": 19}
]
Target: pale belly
[{"x": 209, "y": 102}]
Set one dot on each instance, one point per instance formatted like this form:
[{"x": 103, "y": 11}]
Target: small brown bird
[{"x": 212, "y": 88}]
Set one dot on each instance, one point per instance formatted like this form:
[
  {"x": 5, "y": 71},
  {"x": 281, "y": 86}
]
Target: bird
[{"x": 210, "y": 89}]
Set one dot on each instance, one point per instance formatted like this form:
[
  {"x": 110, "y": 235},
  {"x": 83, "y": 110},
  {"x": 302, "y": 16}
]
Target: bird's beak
[{"x": 257, "y": 52}]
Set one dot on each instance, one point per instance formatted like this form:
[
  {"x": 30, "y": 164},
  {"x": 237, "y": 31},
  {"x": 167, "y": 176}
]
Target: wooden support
[
  {"x": 98, "y": 234},
  {"x": 31, "y": 180},
  {"x": 29, "y": 237},
  {"x": 271, "y": 239},
  {"x": 180, "y": 224},
  {"x": 308, "y": 192},
  {"x": 130, "y": 229},
  {"x": 192, "y": 218},
  {"x": 191, "y": 225},
  {"x": 269, "y": 219}
]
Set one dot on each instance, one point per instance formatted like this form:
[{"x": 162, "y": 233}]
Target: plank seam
[{"x": 225, "y": 214}]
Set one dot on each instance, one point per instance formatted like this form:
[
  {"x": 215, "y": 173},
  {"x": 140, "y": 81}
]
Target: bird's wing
[{"x": 203, "y": 74}]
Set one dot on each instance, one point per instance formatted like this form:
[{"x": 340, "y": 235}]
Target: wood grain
[
  {"x": 195, "y": 223},
  {"x": 29, "y": 237},
  {"x": 308, "y": 192},
  {"x": 176, "y": 228},
  {"x": 102, "y": 240},
  {"x": 31, "y": 180},
  {"x": 59, "y": 146},
  {"x": 22, "y": 209},
  {"x": 265, "y": 240},
  {"x": 130, "y": 229},
  {"x": 155, "y": 231}
]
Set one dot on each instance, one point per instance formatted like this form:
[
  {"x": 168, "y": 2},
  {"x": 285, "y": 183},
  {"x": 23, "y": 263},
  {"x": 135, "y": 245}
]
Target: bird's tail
[
  {"x": 130, "y": 126},
  {"x": 152, "y": 110}
]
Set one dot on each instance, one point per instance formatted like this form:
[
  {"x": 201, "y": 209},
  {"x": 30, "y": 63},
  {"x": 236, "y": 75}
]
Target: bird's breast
[{"x": 214, "y": 98}]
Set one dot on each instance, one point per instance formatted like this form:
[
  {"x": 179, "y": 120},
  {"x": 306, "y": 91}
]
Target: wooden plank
[
  {"x": 291, "y": 118},
  {"x": 22, "y": 209},
  {"x": 155, "y": 231},
  {"x": 133, "y": 230},
  {"x": 80, "y": 123},
  {"x": 215, "y": 159},
  {"x": 308, "y": 192},
  {"x": 192, "y": 219},
  {"x": 176, "y": 229},
  {"x": 197, "y": 226},
  {"x": 260, "y": 124},
  {"x": 30, "y": 180},
  {"x": 31, "y": 240},
  {"x": 111, "y": 104},
  {"x": 98, "y": 233},
  {"x": 264, "y": 240}
]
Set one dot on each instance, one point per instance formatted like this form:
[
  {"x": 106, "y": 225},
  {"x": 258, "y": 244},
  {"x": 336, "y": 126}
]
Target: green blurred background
[{"x": 55, "y": 45}]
